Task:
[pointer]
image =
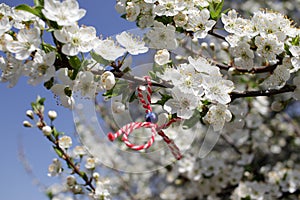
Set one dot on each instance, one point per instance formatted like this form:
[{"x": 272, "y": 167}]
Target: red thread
[{"x": 129, "y": 128}]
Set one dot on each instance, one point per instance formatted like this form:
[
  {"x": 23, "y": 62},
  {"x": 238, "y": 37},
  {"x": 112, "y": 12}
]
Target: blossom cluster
[
  {"x": 27, "y": 54},
  {"x": 191, "y": 16},
  {"x": 204, "y": 61}
]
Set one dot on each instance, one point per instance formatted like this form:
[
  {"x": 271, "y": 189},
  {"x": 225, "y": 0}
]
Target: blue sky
[{"x": 15, "y": 183}]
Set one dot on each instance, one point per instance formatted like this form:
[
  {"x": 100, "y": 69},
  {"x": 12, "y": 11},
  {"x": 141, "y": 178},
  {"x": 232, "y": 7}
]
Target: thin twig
[
  {"x": 229, "y": 141},
  {"x": 67, "y": 158}
]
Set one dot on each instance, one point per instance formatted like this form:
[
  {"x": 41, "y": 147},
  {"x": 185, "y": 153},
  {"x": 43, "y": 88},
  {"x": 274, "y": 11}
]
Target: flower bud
[
  {"x": 212, "y": 46},
  {"x": 30, "y": 114},
  {"x": 77, "y": 189},
  {"x": 90, "y": 163},
  {"x": 162, "y": 57},
  {"x": 47, "y": 130},
  {"x": 52, "y": 115},
  {"x": 118, "y": 107},
  {"x": 96, "y": 176},
  {"x": 27, "y": 124},
  {"x": 79, "y": 151},
  {"x": 224, "y": 45},
  {"x": 277, "y": 106},
  {"x": 71, "y": 180},
  {"x": 40, "y": 124},
  {"x": 108, "y": 80},
  {"x": 204, "y": 45}
]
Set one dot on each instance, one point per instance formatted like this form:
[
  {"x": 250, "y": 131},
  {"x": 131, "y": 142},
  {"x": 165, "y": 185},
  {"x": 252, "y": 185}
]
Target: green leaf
[
  {"x": 55, "y": 132},
  {"x": 132, "y": 97},
  {"x": 164, "y": 99},
  {"x": 48, "y": 47},
  {"x": 34, "y": 107},
  {"x": 246, "y": 198},
  {"x": 75, "y": 62},
  {"x": 126, "y": 70},
  {"x": 39, "y": 2},
  {"x": 121, "y": 87},
  {"x": 216, "y": 10},
  {"x": 152, "y": 75},
  {"x": 295, "y": 41},
  {"x": 40, "y": 101},
  {"x": 99, "y": 59},
  {"x": 58, "y": 151},
  {"x": 35, "y": 11},
  {"x": 83, "y": 175},
  {"x": 164, "y": 19},
  {"x": 48, "y": 84}
]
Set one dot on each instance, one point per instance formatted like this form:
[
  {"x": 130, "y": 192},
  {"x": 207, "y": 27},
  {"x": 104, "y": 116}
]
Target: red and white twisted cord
[
  {"x": 129, "y": 128},
  {"x": 146, "y": 105}
]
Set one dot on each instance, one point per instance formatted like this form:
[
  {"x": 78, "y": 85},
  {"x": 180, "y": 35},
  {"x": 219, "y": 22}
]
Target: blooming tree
[{"x": 199, "y": 70}]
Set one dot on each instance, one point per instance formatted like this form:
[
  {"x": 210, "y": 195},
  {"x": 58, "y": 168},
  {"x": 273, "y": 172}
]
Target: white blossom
[
  {"x": 278, "y": 78},
  {"x": 79, "y": 151},
  {"x": 168, "y": 7},
  {"x": 4, "y": 40},
  {"x": 65, "y": 142},
  {"x": 268, "y": 47},
  {"x": 132, "y": 11},
  {"x": 108, "y": 49},
  {"x": 90, "y": 163},
  {"x": 243, "y": 55},
  {"x": 41, "y": 68},
  {"x": 217, "y": 115},
  {"x": 65, "y": 13},
  {"x": 76, "y": 39},
  {"x": 5, "y": 25},
  {"x": 12, "y": 69},
  {"x": 134, "y": 45},
  {"x": 200, "y": 24},
  {"x": 181, "y": 104},
  {"x": 55, "y": 168},
  {"x": 86, "y": 84},
  {"x": 102, "y": 191},
  {"x": 204, "y": 67},
  {"x": 217, "y": 89},
  {"x": 61, "y": 88},
  {"x": 180, "y": 19},
  {"x": 162, "y": 37},
  {"x": 27, "y": 42}
]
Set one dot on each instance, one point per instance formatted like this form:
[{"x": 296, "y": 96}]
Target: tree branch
[
  {"x": 287, "y": 88},
  {"x": 256, "y": 70},
  {"x": 217, "y": 35},
  {"x": 141, "y": 81},
  {"x": 234, "y": 94}
]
